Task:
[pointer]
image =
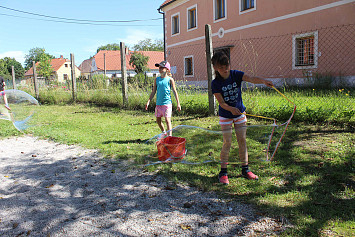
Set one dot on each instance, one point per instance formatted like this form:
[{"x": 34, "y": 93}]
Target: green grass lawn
[{"x": 311, "y": 180}]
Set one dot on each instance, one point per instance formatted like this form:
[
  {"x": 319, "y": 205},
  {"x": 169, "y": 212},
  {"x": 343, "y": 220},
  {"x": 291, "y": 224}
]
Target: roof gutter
[{"x": 163, "y": 13}]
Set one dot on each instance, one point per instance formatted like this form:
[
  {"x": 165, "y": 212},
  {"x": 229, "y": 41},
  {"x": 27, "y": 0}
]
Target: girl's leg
[
  {"x": 6, "y": 104},
  {"x": 160, "y": 124},
  {"x": 241, "y": 133},
  {"x": 169, "y": 126},
  {"x": 227, "y": 143}
]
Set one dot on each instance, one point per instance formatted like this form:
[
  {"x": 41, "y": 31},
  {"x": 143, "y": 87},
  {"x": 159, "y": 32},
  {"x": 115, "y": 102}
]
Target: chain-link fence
[
  {"x": 319, "y": 61},
  {"x": 314, "y": 68},
  {"x": 319, "y": 58}
]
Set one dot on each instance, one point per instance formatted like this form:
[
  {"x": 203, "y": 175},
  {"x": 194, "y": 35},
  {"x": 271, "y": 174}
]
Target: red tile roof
[
  {"x": 56, "y": 64},
  {"x": 113, "y": 59},
  {"x": 165, "y": 3}
]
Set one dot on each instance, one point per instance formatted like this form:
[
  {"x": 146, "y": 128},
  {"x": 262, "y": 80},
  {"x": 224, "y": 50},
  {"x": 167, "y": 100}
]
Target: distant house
[
  {"x": 283, "y": 39},
  {"x": 86, "y": 68},
  {"x": 61, "y": 70},
  {"x": 110, "y": 61}
]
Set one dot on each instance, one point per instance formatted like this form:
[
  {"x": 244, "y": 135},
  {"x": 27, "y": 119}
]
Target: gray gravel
[{"x": 50, "y": 189}]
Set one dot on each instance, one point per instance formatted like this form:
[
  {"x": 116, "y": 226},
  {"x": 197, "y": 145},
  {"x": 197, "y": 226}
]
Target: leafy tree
[
  {"x": 19, "y": 70},
  {"x": 113, "y": 46},
  {"x": 45, "y": 67},
  {"x": 35, "y": 55},
  {"x": 139, "y": 62},
  {"x": 6, "y": 67},
  {"x": 149, "y": 45},
  {"x": 3, "y": 67}
]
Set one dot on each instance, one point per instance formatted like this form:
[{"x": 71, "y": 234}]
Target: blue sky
[{"x": 20, "y": 32}]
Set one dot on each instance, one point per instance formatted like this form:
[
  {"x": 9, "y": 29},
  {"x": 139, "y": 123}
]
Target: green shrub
[{"x": 313, "y": 105}]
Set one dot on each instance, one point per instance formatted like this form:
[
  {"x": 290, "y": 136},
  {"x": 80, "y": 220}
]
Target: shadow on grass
[
  {"x": 139, "y": 141},
  {"x": 324, "y": 198},
  {"x": 315, "y": 182}
]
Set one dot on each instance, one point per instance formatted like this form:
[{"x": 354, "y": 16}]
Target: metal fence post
[
  {"x": 35, "y": 82},
  {"x": 13, "y": 77},
  {"x": 73, "y": 78},
  {"x": 124, "y": 74},
  {"x": 209, "y": 54}
]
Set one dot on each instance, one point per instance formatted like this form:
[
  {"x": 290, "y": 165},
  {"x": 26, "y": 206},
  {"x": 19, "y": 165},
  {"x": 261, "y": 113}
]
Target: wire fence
[
  {"x": 320, "y": 58},
  {"x": 316, "y": 68}
]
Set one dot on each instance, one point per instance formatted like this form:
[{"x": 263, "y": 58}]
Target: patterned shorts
[
  {"x": 229, "y": 121},
  {"x": 163, "y": 110},
  {"x": 2, "y": 93}
]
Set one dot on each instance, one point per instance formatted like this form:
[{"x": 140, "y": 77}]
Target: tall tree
[
  {"x": 35, "y": 55},
  {"x": 3, "y": 68},
  {"x": 139, "y": 62},
  {"x": 6, "y": 67},
  {"x": 149, "y": 45},
  {"x": 113, "y": 46},
  {"x": 44, "y": 67},
  {"x": 19, "y": 70}
]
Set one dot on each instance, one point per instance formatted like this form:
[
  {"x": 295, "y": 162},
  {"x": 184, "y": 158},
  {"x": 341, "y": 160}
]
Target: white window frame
[
  {"x": 193, "y": 68},
  {"x": 172, "y": 26},
  {"x": 188, "y": 15},
  {"x": 248, "y": 10},
  {"x": 214, "y": 11},
  {"x": 294, "y": 50}
]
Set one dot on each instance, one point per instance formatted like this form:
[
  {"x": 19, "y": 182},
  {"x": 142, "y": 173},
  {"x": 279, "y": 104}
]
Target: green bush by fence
[{"x": 313, "y": 105}]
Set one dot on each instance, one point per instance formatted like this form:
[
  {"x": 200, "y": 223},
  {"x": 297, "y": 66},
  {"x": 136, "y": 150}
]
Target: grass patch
[
  {"x": 311, "y": 181},
  {"x": 313, "y": 105}
]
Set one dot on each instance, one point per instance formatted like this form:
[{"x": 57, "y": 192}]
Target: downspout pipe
[{"x": 163, "y": 13}]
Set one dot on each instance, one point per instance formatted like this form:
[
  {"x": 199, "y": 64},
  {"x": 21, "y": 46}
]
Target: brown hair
[{"x": 220, "y": 58}]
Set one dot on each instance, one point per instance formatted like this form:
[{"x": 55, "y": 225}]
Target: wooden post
[
  {"x": 210, "y": 71},
  {"x": 104, "y": 65},
  {"x": 73, "y": 77},
  {"x": 13, "y": 77},
  {"x": 124, "y": 74},
  {"x": 35, "y": 82},
  {"x": 104, "y": 73}
]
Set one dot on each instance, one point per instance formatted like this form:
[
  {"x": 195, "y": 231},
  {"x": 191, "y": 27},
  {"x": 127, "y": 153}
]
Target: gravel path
[{"x": 50, "y": 189}]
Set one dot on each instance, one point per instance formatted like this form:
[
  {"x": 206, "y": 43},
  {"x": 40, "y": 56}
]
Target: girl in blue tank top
[{"x": 162, "y": 87}]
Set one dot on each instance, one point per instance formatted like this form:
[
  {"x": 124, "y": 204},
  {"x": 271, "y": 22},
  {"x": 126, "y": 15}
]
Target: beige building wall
[
  {"x": 272, "y": 26},
  {"x": 65, "y": 69}
]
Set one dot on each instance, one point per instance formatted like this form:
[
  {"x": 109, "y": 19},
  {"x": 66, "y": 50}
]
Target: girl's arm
[
  {"x": 224, "y": 105},
  {"x": 257, "y": 80},
  {"x": 152, "y": 94},
  {"x": 172, "y": 82}
]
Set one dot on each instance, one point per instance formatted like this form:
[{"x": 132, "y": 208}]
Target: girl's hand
[
  {"x": 178, "y": 107},
  {"x": 236, "y": 111},
  {"x": 146, "y": 106},
  {"x": 268, "y": 83}
]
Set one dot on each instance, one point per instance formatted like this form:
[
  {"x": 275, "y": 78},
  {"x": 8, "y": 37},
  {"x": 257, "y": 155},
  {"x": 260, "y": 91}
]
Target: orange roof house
[
  {"x": 61, "y": 70},
  {"x": 110, "y": 60}
]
